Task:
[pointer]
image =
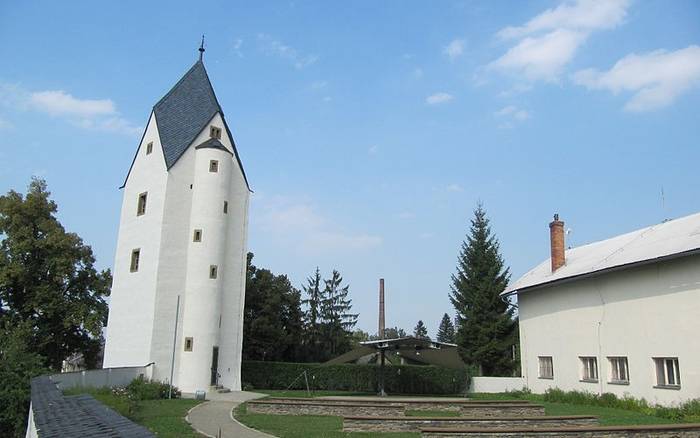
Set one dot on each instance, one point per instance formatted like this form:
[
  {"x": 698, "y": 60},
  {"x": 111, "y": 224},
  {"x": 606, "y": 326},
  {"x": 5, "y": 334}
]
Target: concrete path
[{"x": 216, "y": 415}]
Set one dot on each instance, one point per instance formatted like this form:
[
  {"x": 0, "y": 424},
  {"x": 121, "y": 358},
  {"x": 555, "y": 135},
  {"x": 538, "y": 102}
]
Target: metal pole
[{"x": 172, "y": 361}]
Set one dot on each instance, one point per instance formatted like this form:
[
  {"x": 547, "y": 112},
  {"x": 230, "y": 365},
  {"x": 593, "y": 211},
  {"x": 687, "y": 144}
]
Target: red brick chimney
[{"x": 557, "y": 245}]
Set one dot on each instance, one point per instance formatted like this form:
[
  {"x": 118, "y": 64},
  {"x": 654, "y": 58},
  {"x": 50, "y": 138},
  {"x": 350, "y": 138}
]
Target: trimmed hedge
[{"x": 399, "y": 379}]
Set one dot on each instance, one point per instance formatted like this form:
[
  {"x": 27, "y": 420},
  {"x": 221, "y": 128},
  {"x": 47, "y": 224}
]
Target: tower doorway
[{"x": 215, "y": 366}]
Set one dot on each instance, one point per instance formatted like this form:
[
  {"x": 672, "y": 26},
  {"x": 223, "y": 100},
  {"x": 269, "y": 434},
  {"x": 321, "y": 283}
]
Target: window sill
[
  {"x": 589, "y": 380},
  {"x": 619, "y": 382},
  {"x": 546, "y": 378},
  {"x": 675, "y": 387}
]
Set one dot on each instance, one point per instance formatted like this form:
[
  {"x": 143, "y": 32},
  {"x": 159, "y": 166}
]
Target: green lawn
[
  {"x": 303, "y": 426},
  {"x": 606, "y": 416},
  {"x": 165, "y": 418}
]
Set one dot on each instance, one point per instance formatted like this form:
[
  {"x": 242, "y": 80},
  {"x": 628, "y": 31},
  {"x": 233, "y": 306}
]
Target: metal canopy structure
[{"x": 411, "y": 349}]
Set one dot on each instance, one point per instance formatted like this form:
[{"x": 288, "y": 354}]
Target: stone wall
[
  {"x": 415, "y": 424},
  {"x": 501, "y": 410},
  {"x": 647, "y": 431},
  {"x": 277, "y": 408}
]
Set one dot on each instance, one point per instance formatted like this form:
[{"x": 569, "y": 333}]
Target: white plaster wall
[
  {"x": 130, "y": 322},
  {"x": 496, "y": 384},
  {"x": 175, "y": 241},
  {"x": 641, "y": 313}
]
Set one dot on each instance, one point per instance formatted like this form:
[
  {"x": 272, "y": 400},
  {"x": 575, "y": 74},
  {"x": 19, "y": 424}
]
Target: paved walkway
[{"x": 215, "y": 415}]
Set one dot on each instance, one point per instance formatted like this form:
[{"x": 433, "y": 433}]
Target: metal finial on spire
[{"x": 201, "y": 49}]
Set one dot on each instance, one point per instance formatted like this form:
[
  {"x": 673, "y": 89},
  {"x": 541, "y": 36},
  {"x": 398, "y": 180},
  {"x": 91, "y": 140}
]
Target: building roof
[
  {"x": 669, "y": 239},
  {"x": 416, "y": 349},
  {"x": 212, "y": 143},
  {"x": 56, "y": 415},
  {"x": 184, "y": 111}
]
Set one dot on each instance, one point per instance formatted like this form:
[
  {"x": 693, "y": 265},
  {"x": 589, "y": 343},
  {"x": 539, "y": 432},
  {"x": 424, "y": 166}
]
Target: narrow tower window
[
  {"x": 213, "y": 166},
  {"x": 213, "y": 271},
  {"x": 188, "y": 344},
  {"x": 225, "y": 207},
  {"x": 215, "y": 132},
  {"x": 141, "y": 209},
  {"x": 197, "y": 236},
  {"x": 135, "y": 256},
  {"x": 149, "y": 148}
]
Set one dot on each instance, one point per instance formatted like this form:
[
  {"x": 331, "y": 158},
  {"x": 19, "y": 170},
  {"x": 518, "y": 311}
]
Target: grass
[
  {"x": 606, "y": 416},
  {"x": 306, "y": 426},
  {"x": 165, "y": 418}
]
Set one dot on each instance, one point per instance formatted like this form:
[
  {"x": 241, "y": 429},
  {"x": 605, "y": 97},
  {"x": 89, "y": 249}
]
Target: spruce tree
[
  {"x": 446, "y": 330},
  {"x": 313, "y": 322},
  {"x": 338, "y": 322},
  {"x": 420, "y": 331},
  {"x": 487, "y": 330}
]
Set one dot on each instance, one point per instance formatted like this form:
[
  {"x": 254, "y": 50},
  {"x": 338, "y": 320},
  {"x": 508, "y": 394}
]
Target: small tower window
[
  {"x": 188, "y": 344},
  {"x": 141, "y": 209},
  {"x": 225, "y": 207},
  {"x": 215, "y": 132},
  {"x": 213, "y": 166},
  {"x": 149, "y": 148},
  {"x": 197, "y": 236},
  {"x": 135, "y": 256},
  {"x": 213, "y": 271}
]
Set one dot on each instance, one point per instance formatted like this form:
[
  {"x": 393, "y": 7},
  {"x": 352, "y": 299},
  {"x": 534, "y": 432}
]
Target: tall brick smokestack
[
  {"x": 557, "y": 245},
  {"x": 381, "y": 309}
]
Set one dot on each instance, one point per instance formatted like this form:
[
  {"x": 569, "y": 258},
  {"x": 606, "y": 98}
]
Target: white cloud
[
  {"x": 418, "y": 73},
  {"x": 454, "y": 49},
  {"x": 512, "y": 111},
  {"x": 406, "y": 215},
  {"x": 541, "y": 57},
  {"x": 96, "y": 114},
  {"x": 274, "y": 47},
  {"x": 319, "y": 85},
  {"x": 237, "y": 44},
  {"x": 298, "y": 223},
  {"x": 4, "y": 124},
  {"x": 581, "y": 15},
  {"x": 454, "y": 188},
  {"x": 372, "y": 150},
  {"x": 427, "y": 235},
  {"x": 438, "y": 98},
  {"x": 549, "y": 41},
  {"x": 60, "y": 103},
  {"x": 655, "y": 79}
]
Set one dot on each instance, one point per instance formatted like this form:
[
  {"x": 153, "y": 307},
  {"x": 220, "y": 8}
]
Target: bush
[
  {"x": 142, "y": 389},
  {"x": 398, "y": 379}
]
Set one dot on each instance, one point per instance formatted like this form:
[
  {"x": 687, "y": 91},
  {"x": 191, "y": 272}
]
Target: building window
[
  {"x": 141, "y": 208},
  {"x": 667, "y": 372},
  {"x": 213, "y": 166},
  {"x": 215, "y": 132},
  {"x": 589, "y": 369},
  {"x": 619, "y": 372},
  {"x": 213, "y": 271},
  {"x": 197, "y": 236},
  {"x": 225, "y": 207},
  {"x": 188, "y": 344},
  {"x": 135, "y": 256},
  {"x": 149, "y": 148},
  {"x": 546, "y": 367}
]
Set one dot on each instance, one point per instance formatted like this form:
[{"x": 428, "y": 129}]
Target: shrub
[
  {"x": 142, "y": 389},
  {"x": 398, "y": 379}
]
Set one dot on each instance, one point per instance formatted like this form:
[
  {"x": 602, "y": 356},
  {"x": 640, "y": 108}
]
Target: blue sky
[{"x": 370, "y": 130}]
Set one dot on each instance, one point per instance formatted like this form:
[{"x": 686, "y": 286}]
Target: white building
[
  {"x": 618, "y": 316},
  {"x": 182, "y": 234}
]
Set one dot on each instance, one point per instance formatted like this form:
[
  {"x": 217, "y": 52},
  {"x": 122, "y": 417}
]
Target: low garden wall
[
  {"x": 496, "y": 384},
  {"x": 645, "y": 431},
  {"x": 415, "y": 424},
  {"x": 398, "y": 379},
  {"x": 321, "y": 408},
  {"x": 101, "y": 378}
]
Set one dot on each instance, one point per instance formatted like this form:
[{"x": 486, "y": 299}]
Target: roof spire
[{"x": 201, "y": 49}]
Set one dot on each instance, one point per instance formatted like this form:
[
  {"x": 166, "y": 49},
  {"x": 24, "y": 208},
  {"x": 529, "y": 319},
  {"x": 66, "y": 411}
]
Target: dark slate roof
[
  {"x": 213, "y": 143},
  {"x": 77, "y": 416},
  {"x": 184, "y": 111}
]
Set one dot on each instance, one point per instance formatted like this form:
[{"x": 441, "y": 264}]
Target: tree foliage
[
  {"x": 486, "y": 329},
  {"x": 446, "y": 330},
  {"x": 48, "y": 279},
  {"x": 272, "y": 317},
  {"x": 338, "y": 322},
  {"x": 420, "y": 331}
]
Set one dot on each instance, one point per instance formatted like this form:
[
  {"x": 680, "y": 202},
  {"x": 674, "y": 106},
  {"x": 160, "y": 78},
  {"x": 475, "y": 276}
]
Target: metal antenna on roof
[{"x": 201, "y": 49}]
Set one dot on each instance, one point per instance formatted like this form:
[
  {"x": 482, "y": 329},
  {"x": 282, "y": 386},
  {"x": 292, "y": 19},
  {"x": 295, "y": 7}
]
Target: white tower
[{"x": 182, "y": 233}]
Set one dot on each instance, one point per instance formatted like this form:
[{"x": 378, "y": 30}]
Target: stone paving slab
[{"x": 215, "y": 415}]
